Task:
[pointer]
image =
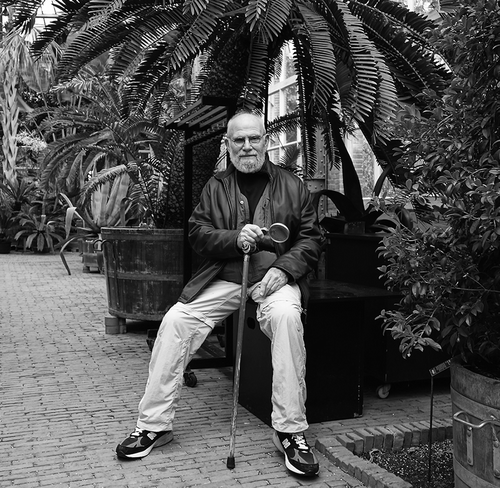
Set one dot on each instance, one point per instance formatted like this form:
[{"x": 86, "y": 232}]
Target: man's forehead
[{"x": 245, "y": 122}]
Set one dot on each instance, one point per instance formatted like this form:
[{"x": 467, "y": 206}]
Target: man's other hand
[{"x": 273, "y": 280}]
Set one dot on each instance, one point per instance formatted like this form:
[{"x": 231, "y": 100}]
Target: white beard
[{"x": 245, "y": 165}]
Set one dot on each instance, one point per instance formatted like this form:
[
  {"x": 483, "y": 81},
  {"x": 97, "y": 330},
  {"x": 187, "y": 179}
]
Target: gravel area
[{"x": 412, "y": 464}]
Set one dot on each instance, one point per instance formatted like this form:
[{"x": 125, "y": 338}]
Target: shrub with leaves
[
  {"x": 449, "y": 271},
  {"x": 41, "y": 226}
]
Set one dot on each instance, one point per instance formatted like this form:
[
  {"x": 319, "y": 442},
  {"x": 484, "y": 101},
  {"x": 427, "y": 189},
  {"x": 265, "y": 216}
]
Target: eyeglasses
[{"x": 253, "y": 140}]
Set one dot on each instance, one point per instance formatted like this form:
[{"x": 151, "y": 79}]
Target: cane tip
[{"x": 230, "y": 462}]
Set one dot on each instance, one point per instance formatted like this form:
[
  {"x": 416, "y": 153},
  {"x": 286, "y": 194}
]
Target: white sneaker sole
[{"x": 165, "y": 439}]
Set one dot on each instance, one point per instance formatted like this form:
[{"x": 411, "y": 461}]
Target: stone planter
[
  {"x": 476, "y": 428},
  {"x": 92, "y": 256}
]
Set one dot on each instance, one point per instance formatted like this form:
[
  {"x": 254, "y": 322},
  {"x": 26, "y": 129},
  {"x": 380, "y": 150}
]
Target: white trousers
[{"x": 186, "y": 326}]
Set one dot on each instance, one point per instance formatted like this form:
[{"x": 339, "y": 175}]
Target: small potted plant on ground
[
  {"x": 449, "y": 270},
  {"x": 40, "y": 225},
  {"x": 6, "y": 224},
  {"x": 5, "y": 235},
  {"x": 13, "y": 195}
]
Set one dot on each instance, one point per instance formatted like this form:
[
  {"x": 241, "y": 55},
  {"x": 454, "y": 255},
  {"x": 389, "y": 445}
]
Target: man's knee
[
  {"x": 174, "y": 314},
  {"x": 285, "y": 312},
  {"x": 173, "y": 318}
]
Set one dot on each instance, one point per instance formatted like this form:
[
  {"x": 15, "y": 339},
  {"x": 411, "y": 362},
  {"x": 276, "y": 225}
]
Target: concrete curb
[{"x": 344, "y": 450}]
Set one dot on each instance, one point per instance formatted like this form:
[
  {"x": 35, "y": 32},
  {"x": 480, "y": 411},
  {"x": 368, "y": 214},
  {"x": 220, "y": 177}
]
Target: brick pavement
[{"x": 69, "y": 393}]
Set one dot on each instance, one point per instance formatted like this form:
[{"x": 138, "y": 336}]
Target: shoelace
[
  {"x": 137, "y": 432},
  {"x": 300, "y": 440}
]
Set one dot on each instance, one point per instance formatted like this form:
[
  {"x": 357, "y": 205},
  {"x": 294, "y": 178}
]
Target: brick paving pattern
[{"x": 69, "y": 394}]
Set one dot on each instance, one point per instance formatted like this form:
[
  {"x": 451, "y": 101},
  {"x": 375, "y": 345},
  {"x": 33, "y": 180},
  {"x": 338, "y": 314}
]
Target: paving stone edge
[{"x": 344, "y": 449}]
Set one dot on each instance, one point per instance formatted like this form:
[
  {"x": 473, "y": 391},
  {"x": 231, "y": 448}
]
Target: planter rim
[
  {"x": 465, "y": 381},
  {"x": 365, "y": 236},
  {"x": 141, "y": 230}
]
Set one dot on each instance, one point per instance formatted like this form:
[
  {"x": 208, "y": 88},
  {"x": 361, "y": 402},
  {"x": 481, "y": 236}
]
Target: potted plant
[
  {"x": 40, "y": 226},
  {"x": 448, "y": 271},
  {"x": 145, "y": 263},
  {"x": 6, "y": 223},
  {"x": 109, "y": 205},
  {"x": 358, "y": 234},
  {"x": 14, "y": 195}
]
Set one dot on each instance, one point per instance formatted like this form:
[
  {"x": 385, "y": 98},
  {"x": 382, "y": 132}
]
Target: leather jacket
[{"x": 213, "y": 228}]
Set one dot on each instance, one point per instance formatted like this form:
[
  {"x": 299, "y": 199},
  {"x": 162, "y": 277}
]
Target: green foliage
[
  {"x": 115, "y": 162},
  {"x": 354, "y": 59},
  {"x": 41, "y": 226},
  {"x": 7, "y": 223},
  {"x": 13, "y": 195},
  {"x": 449, "y": 271}
]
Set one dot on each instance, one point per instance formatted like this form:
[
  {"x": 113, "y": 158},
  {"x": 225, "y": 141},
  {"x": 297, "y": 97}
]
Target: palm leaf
[
  {"x": 107, "y": 175},
  {"x": 267, "y": 18},
  {"x": 257, "y": 78},
  {"x": 195, "y": 37},
  {"x": 322, "y": 57}
]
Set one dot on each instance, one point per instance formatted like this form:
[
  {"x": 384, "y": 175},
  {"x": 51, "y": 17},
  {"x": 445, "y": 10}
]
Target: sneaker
[
  {"x": 141, "y": 442},
  {"x": 299, "y": 458}
]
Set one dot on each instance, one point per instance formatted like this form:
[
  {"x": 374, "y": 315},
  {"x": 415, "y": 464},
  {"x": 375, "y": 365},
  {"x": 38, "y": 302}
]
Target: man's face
[{"x": 246, "y": 143}]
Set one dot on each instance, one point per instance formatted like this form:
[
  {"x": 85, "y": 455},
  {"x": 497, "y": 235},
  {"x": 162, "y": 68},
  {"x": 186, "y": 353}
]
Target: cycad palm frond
[
  {"x": 289, "y": 159},
  {"x": 353, "y": 58},
  {"x": 305, "y": 86},
  {"x": 153, "y": 72},
  {"x": 267, "y": 18},
  {"x": 321, "y": 51},
  {"x": 401, "y": 37},
  {"x": 362, "y": 66},
  {"x": 98, "y": 37},
  {"x": 200, "y": 29},
  {"x": 25, "y": 13},
  {"x": 71, "y": 15},
  {"x": 57, "y": 154},
  {"x": 106, "y": 175},
  {"x": 257, "y": 78},
  {"x": 285, "y": 123}
]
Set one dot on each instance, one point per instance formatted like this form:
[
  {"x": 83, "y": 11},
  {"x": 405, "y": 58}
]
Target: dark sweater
[{"x": 252, "y": 186}]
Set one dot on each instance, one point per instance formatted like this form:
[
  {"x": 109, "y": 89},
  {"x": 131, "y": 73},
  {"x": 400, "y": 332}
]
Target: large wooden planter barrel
[
  {"x": 144, "y": 271},
  {"x": 476, "y": 428}
]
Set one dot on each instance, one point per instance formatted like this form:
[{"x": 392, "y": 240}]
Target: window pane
[
  {"x": 290, "y": 94},
  {"x": 291, "y": 135},
  {"x": 274, "y": 105},
  {"x": 290, "y": 98},
  {"x": 289, "y": 70},
  {"x": 277, "y": 72},
  {"x": 274, "y": 155}
]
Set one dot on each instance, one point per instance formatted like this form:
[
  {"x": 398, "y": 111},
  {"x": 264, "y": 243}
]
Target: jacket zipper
[
  {"x": 232, "y": 213},
  {"x": 231, "y": 217}
]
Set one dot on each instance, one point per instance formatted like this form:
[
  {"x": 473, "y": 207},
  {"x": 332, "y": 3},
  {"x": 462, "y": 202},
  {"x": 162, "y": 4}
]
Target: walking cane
[
  {"x": 239, "y": 346},
  {"x": 278, "y": 233}
]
